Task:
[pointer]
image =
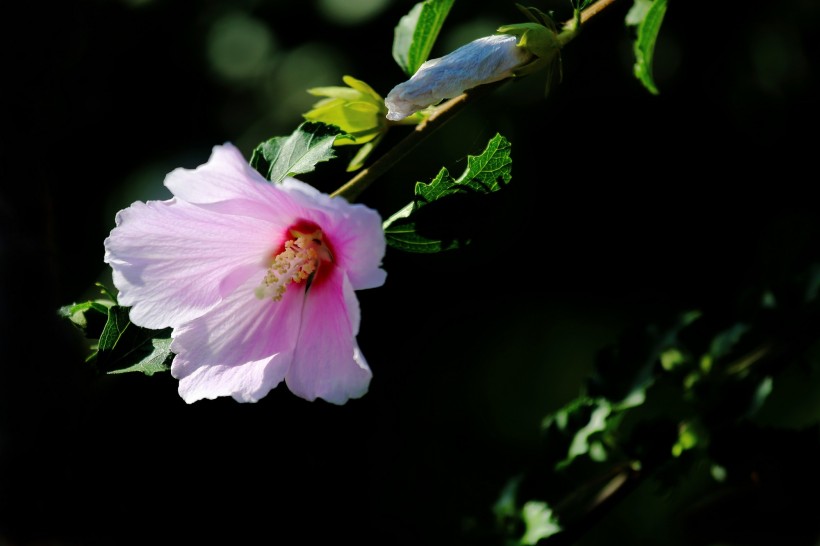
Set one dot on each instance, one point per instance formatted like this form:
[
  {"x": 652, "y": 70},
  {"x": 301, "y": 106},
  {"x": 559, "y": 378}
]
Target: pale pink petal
[
  {"x": 242, "y": 348},
  {"x": 227, "y": 184},
  {"x": 173, "y": 261},
  {"x": 224, "y": 177},
  {"x": 359, "y": 244},
  {"x": 248, "y": 382},
  {"x": 327, "y": 363}
]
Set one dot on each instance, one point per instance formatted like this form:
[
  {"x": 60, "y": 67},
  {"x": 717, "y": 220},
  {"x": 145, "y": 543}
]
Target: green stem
[
  {"x": 445, "y": 112},
  {"x": 352, "y": 188}
]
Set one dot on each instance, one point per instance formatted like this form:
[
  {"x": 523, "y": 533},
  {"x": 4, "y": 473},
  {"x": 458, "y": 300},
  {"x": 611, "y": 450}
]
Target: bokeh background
[{"x": 623, "y": 207}]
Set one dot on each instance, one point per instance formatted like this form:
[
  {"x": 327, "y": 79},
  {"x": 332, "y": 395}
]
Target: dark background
[{"x": 623, "y": 207}]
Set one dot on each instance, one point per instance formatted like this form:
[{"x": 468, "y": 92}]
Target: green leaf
[
  {"x": 432, "y": 223},
  {"x": 624, "y": 370},
  {"x": 540, "y": 522},
  {"x": 309, "y": 144},
  {"x": 157, "y": 360},
  {"x": 121, "y": 346},
  {"x": 416, "y": 33},
  {"x": 574, "y": 430},
  {"x": 136, "y": 350},
  {"x": 76, "y": 312},
  {"x": 116, "y": 325},
  {"x": 647, "y": 15}
]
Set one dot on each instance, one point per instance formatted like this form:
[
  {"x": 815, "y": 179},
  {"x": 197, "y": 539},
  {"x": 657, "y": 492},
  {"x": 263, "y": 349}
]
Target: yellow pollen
[{"x": 295, "y": 264}]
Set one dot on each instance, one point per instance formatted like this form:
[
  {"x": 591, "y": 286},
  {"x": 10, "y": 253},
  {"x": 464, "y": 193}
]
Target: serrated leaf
[
  {"x": 414, "y": 36},
  {"x": 648, "y": 17},
  {"x": 155, "y": 361},
  {"x": 309, "y": 144},
  {"x": 432, "y": 223}
]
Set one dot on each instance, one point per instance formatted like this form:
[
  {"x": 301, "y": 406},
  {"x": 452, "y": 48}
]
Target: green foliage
[
  {"x": 647, "y": 16},
  {"x": 118, "y": 345},
  {"x": 577, "y": 430},
  {"x": 416, "y": 33},
  {"x": 670, "y": 397},
  {"x": 435, "y": 220},
  {"x": 540, "y": 522},
  {"x": 156, "y": 360},
  {"x": 309, "y": 144}
]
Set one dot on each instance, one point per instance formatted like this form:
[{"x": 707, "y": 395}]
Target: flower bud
[{"x": 485, "y": 60}]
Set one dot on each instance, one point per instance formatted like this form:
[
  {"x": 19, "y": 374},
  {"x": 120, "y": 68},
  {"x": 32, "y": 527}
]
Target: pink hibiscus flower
[{"x": 256, "y": 280}]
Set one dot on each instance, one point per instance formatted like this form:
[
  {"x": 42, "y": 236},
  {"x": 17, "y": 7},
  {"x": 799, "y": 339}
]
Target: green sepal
[
  {"x": 540, "y": 37},
  {"x": 357, "y": 110},
  {"x": 358, "y": 160},
  {"x": 435, "y": 220},
  {"x": 538, "y": 40}
]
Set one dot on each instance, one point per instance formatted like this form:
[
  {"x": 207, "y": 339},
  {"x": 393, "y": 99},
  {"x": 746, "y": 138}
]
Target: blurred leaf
[
  {"x": 157, "y": 360},
  {"x": 724, "y": 342},
  {"x": 505, "y": 506},
  {"x": 647, "y": 15},
  {"x": 422, "y": 227},
  {"x": 761, "y": 393},
  {"x": 813, "y": 286},
  {"x": 687, "y": 439},
  {"x": 581, "y": 4},
  {"x": 624, "y": 370},
  {"x": 540, "y": 522},
  {"x": 581, "y": 441},
  {"x": 416, "y": 33},
  {"x": 309, "y": 144},
  {"x": 568, "y": 431},
  {"x": 672, "y": 358}
]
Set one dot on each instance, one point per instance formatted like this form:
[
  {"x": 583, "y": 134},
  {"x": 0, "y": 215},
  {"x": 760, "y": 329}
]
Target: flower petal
[
  {"x": 248, "y": 382},
  {"x": 354, "y": 230},
  {"x": 327, "y": 363},
  {"x": 227, "y": 184},
  {"x": 172, "y": 261},
  {"x": 224, "y": 177},
  {"x": 242, "y": 348}
]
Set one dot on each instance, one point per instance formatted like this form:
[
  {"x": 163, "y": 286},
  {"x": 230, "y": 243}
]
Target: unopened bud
[{"x": 485, "y": 60}]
